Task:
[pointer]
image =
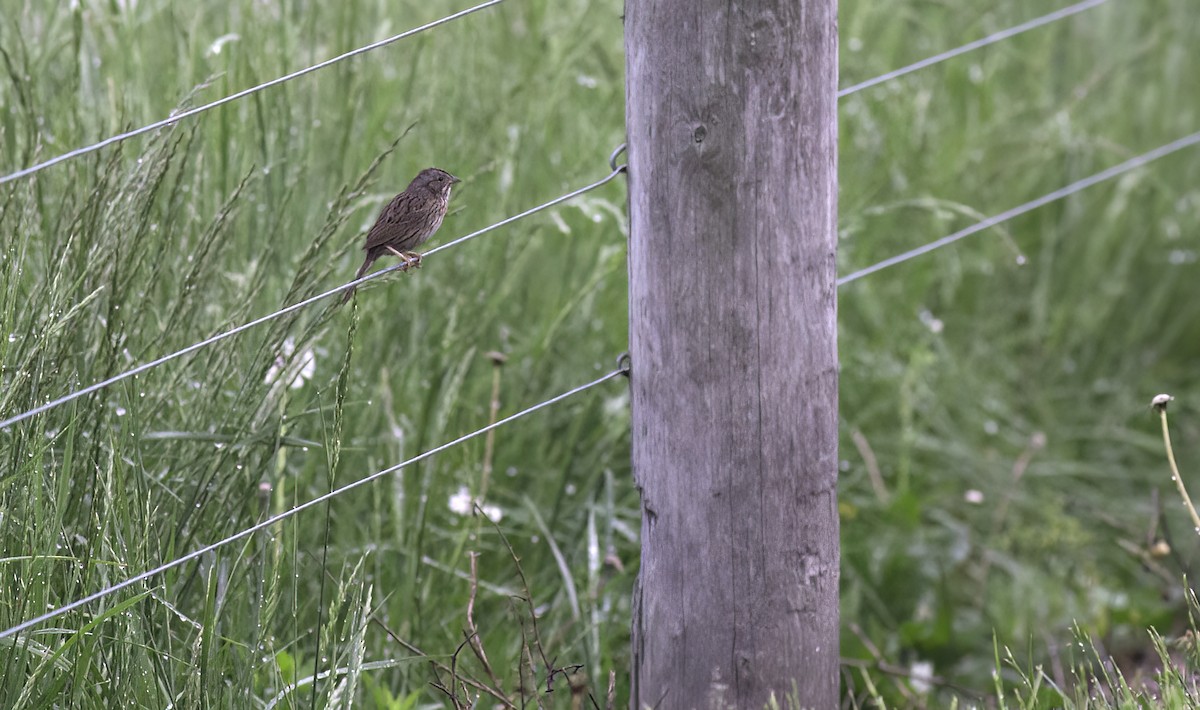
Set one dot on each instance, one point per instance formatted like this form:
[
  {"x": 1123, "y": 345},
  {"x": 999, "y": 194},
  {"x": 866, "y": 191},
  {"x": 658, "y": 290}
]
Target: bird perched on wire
[{"x": 408, "y": 220}]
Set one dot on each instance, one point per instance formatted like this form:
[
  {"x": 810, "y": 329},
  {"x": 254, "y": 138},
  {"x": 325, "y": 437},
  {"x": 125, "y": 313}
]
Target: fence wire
[
  {"x": 1103, "y": 175},
  {"x": 622, "y": 369},
  {"x": 970, "y": 46},
  {"x": 1061, "y": 193}
]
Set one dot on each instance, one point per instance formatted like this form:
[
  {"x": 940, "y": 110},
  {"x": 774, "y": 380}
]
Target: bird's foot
[{"x": 411, "y": 259}]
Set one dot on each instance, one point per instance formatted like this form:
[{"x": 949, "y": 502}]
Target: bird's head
[{"x": 435, "y": 179}]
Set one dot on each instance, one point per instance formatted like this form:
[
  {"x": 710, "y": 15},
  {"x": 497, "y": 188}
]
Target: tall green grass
[
  {"x": 972, "y": 377},
  {"x": 961, "y": 372}
]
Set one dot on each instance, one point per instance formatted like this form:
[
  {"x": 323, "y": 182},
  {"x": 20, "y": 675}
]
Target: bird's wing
[{"x": 395, "y": 222}]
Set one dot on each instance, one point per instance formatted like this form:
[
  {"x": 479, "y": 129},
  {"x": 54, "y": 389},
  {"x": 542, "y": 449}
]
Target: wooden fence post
[{"x": 732, "y": 147}]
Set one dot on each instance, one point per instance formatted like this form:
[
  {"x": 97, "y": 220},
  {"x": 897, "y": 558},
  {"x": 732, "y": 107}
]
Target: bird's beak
[{"x": 454, "y": 180}]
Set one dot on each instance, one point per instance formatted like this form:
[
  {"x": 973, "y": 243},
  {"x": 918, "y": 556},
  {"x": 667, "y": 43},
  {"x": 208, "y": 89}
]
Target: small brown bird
[{"x": 408, "y": 220}]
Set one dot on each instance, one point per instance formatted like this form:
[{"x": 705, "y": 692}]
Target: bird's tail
[{"x": 361, "y": 270}]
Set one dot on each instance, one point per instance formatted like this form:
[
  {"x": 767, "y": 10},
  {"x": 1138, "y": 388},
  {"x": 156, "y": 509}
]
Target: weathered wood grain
[{"x": 731, "y": 117}]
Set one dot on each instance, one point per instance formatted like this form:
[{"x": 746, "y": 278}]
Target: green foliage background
[{"x": 966, "y": 375}]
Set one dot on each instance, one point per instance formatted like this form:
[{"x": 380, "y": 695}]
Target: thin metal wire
[
  {"x": 570, "y": 195},
  {"x": 1131, "y": 164},
  {"x": 990, "y": 39},
  {"x": 241, "y": 94},
  {"x": 289, "y": 309},
  {"x": 612, "y": 158},
  {"x": 55, "y": 613}
]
